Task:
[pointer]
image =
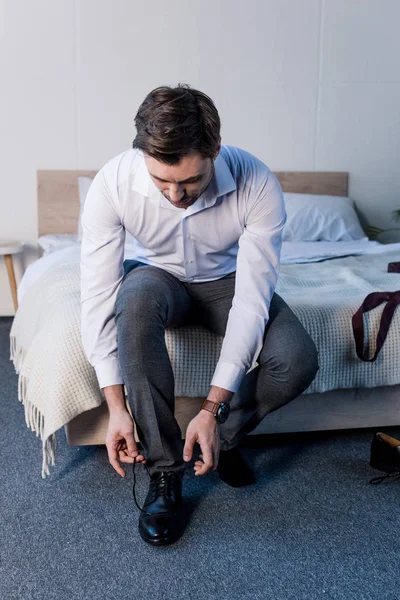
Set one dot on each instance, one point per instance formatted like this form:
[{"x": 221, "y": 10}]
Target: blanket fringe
[
  {"x": 34, "y": 419},
  {"x": 49, "y": 448},
  {"x": 16, "y": 353}
]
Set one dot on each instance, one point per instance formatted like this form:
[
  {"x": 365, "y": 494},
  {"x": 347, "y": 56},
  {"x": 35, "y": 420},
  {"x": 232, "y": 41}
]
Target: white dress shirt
[{"x": 235, "y": 225}]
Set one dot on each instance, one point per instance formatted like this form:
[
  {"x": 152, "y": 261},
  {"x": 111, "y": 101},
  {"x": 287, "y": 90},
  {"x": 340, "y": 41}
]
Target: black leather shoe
[
  {"x": 233, "y": 469},
  {"x": 161, "y": 521},
  {"x": 385, "y": 456}
]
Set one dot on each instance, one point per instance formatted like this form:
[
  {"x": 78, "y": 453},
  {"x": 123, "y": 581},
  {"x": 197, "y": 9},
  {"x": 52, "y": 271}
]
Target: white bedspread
[
  {"x": 67, "y": 250},
  {"x": 56, "y": 382}
]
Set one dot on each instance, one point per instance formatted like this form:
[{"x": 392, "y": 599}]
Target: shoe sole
[
  {"x": 162, "y": 541},
  {"x": 380, "y": 466}
]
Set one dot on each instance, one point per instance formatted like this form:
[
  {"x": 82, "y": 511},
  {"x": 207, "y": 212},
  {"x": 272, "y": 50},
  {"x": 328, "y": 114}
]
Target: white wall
[{"x": 303, "y": 84}]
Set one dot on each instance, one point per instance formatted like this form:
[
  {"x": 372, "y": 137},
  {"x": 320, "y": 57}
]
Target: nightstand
[{"x": 7, "y": 249}]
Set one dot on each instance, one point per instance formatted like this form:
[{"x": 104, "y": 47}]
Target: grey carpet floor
[{"x": 312, "y": 527}]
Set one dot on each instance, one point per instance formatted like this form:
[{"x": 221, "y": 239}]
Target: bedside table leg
[{"x": 11, "y": 278}]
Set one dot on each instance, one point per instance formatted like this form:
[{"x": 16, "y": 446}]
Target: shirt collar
[{"x": 222, "y": 183}]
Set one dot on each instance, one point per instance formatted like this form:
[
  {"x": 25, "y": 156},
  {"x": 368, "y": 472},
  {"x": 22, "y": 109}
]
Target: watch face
[{"x": 223, "y": 412}]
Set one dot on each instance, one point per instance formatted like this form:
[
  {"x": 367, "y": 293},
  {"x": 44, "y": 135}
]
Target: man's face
[{"x": 184, "y": 182}]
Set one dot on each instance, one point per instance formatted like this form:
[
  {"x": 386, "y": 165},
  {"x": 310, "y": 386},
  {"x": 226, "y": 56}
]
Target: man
[{"x": 206, "y": 221}]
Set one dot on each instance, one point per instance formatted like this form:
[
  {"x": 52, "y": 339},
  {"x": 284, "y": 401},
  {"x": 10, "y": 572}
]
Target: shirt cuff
[
  {"x": 108, "y": 372},
  {"x": 228, "y": 376}
]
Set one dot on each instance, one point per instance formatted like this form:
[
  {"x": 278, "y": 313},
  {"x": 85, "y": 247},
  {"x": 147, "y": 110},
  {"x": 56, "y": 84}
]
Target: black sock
[{"x": 233, "y": 469}]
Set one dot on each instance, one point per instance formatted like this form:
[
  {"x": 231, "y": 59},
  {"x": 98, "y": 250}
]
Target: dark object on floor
[
  {"x": 161, "y": 520},
  {"x": 385, "y": 456},
  {"x": 233, "y": 469},
  {"x": 394, "y": 267}
]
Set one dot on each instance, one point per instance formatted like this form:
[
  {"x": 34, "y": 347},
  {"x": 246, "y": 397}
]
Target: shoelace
[
  {"x": 161, "y": 484},
  {"x": 392, "y": 476}
]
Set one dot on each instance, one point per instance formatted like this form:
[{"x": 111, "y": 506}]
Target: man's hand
[
  {"x": 120, "y": 440},
  {"x": 203, "y": 429}
]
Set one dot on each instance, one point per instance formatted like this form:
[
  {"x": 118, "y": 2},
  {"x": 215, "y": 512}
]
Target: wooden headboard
[{"x": 58, "y": 194}]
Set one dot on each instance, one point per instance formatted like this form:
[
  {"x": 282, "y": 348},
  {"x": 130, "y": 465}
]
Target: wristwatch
[{"x": 220, "y": 410}]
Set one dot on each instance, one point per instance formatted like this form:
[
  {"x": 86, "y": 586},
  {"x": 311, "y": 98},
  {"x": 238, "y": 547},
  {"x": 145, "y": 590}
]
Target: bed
[{"x": 323, "y": 282}]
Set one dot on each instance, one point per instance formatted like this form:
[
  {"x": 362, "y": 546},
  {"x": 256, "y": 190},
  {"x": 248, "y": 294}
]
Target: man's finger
[
  {"x": 117, "y": 467},
  {"x": 206, "y": 452},
  {"x": 188, "y": 448},
  {"x": 125, "y": 458},
  {"x": 112, "y": 457},
  {"x": 131, "y": 444}
]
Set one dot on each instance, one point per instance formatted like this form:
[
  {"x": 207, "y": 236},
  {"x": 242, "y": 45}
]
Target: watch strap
[{"x": 211, "y": 406}]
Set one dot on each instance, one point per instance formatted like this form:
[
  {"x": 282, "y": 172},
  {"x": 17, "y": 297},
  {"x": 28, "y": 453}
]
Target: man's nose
[{"x": 176, "y": 193}]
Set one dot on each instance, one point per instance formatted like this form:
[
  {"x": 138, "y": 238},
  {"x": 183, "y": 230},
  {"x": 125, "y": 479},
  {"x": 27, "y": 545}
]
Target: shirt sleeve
[
  {"x": 101, "y": 263},
  {"x": 257, "y": 270}
]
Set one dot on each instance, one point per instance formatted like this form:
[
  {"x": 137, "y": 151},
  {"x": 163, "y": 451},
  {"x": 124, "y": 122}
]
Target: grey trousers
[{"x": 150, "y": 300}]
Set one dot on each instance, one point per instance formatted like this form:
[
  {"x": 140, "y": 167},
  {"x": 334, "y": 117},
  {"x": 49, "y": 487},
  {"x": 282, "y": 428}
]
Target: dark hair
[{"x": 173, "y": 121}]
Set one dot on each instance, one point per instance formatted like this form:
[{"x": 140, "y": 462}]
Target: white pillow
[
  {"x": 84, "y": 185},
  {"x": 313, "y": 217},
  {"x": 57, "y": 241}
]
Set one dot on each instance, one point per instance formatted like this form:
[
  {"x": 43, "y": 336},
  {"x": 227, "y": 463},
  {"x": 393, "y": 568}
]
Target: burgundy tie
[{"x": 372, "y": 301}]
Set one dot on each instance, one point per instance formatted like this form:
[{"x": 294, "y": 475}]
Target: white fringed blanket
[{"x": 57, "y": 383}]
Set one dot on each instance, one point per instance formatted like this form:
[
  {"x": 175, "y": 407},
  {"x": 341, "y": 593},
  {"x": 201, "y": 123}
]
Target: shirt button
[
  {"x": 189, "y": 261},
  {"x": 189, "y": 236}
]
